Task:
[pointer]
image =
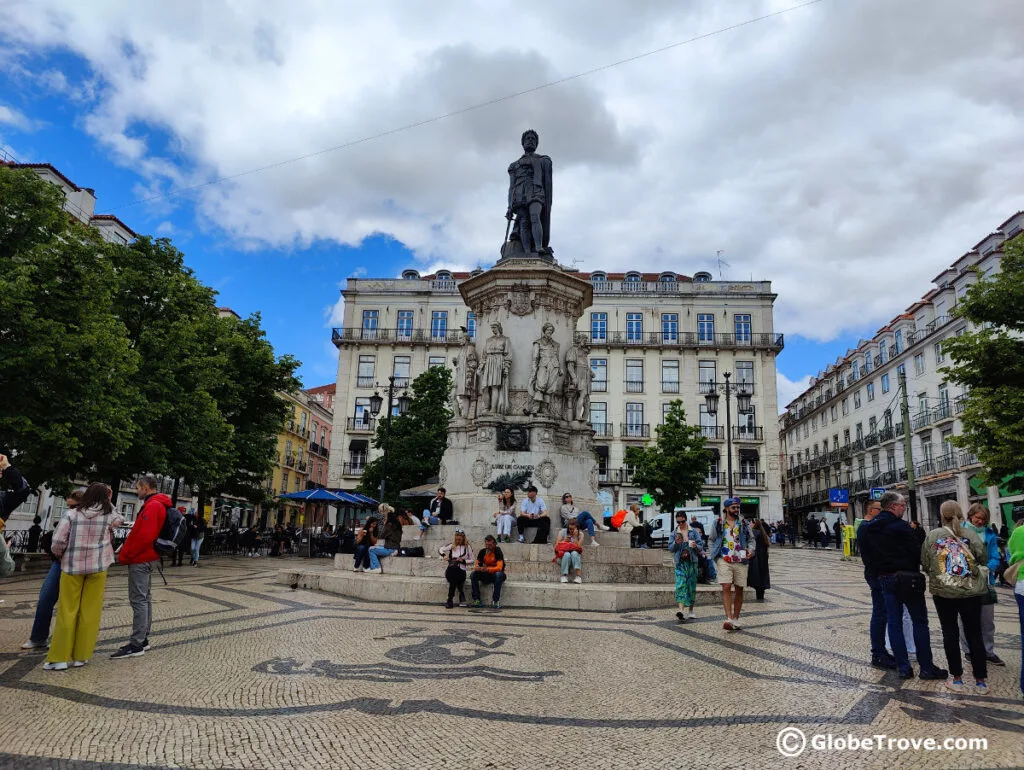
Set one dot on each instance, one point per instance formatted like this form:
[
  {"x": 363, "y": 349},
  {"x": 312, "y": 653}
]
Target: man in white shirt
[{"x": 534, "y": 513}]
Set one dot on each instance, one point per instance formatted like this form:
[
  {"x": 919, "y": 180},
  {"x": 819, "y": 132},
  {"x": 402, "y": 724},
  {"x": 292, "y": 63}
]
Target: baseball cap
[{"x": 731, "y": 501}]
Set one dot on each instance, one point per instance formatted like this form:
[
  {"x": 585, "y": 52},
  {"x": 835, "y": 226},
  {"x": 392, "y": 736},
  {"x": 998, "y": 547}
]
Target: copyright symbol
[{"x": 791, "y": 741}]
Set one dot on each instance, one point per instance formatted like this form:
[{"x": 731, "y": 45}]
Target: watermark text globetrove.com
[{"x": 792, "y": 742}]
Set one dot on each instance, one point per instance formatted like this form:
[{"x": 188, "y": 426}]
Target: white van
[{"x": 664, "y": 524}]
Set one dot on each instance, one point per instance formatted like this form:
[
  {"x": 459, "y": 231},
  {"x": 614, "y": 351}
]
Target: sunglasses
[{"x": 460, "y": 531}]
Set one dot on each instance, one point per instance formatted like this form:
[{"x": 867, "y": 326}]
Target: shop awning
[{"x": 359, "y": 445}]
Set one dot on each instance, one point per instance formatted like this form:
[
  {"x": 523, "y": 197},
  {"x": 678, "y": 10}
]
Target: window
[
  {"x": 708, "y": 424},
  {"x": 323, "y": 437},
  {"x": 890, "y": 460},
  {"x": 854, "y": 371},
  {"x": 439, "y": 324},
  {"x": 901, "y": 369},
  {"x": 634, "y": 327},
  {"x": 436, "y": 361},
  {"x": 875, "y": 468},
  {"x": 867, "y": 363},
  {"x": 944, "y": 394},
  {"x": 365, "y": 375},
  {"x": 284, "y": 481},
  {"x": 947, "y": 442},
  {"x": 835, "y": 442},
  {"x": 926, "y": 448},
  {"x": 598, "y": 277},
  {"x": 745, "y": 376},
  {"x": 127, "y": 510},
  {"x": 872, "y": 425},
  {"x": 742, "y": 323},
  {"x": 369, "y": 324},
  {"x": 871, "y": 388},
  {"x": 634, "y": 375},
  {"x": 633, "y": 277},
  {"x": 885, "y": 384},
  {"x": 670, "y": 376},
  {"x": 919, "y": 364},
  {"x": 599, "y": 366},
  {"x": 667, "y": 278},
  {"x": 706, "y": 376},
  {"x": 471, "y": 324},
  {"x": 922, "y": 403},
  {"x": 883, "y": 352},
  {"x": 669, "y": 327},
  {"x": 887, "y": 418},
  {"x": 746, "y": 425},
  {"x": 302, "y": 421},
  {"x": 856, "y": 396},
  {"x": 702, "y": 277},
  {"x": 705, "y": 328},
  {"x": 404, "y": 324},
  {"x": 899, "y": 340},
  {"x": 401, "y": 371},
  {"x": 834, "y": 412},
  {"x": 664, "y": 412},
  {"x": 599, "y": 417},
  {"x": 805, "y": 430},
  {"x": 634, "y": 419},
  {"x": 846, "y": 406},
  {"x": 748, "y": 470},
  {"x": 846, "y": 436},
  {"x": 858, "y": 431},
  {"x": 598, "y": 326},
  {"x": 939, "y": 357}
]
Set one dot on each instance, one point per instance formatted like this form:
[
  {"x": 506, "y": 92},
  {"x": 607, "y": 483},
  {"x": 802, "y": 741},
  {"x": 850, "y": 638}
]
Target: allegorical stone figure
[
  {"x": 545, "y": 371},
  {"x": 466, "y": 364},
  {"x": 494, "y": 373},
  {"x": 577, "y": 381},
  {"x": 529, "y": 197}
]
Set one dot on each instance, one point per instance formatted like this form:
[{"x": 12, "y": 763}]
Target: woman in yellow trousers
[{"x": 82, "y": 541}]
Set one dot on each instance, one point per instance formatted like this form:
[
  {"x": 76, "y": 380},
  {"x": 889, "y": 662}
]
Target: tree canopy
[
  {"x": 114, "y": 360},
  {"x": 418, "y": 438},
  {"x": 988, "y": 360},
  {"x": 674, "y": 467}
]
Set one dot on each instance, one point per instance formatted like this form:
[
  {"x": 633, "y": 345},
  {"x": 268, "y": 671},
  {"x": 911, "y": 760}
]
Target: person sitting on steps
[
  {"x": 584, "y": 519},
  {"x": 489, "y": 568},
  {"x": 459, "y": 556},
  {"x": 534, "y": 513},
  {"x": 568, "y": 551},
  {"x": 505, "y": 516},
  {"x": 365, "y": 540}
]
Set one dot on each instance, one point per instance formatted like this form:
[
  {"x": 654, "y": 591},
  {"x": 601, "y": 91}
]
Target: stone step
[
  {"x": 521, "y": 552},
  {"x": 477, "y": 533},
  {"x": 535, "y": 571},
  {"x": 593, "y": 597}
]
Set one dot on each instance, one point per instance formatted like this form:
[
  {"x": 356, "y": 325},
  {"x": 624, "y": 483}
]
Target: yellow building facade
[{"x": 291, "y": 470}]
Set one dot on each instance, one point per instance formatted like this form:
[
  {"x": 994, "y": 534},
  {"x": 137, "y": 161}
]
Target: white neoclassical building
[
  {"x": 654, "y": 337},
  {"x": 846, "y": 430}
]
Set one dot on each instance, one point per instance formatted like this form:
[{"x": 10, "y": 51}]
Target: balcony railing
[
  {"x": 944, "y": 411},
  {"x": 715, "y": 479},
  {"x": 289, "y": 460},
  {"x": 634, "y": 386},
  {"x": 599, "y": 386},
  {"x": 741, "y": 479},
  {"x": 353, "y": 469},
  {"x": 748, "y": 433},
  {"x": 900, "y": 429},
  {"x": 401, "y": 335},
  {"x": 670, "y": 386},
  {"x": 360, "y": 424},
  {"x": 770, "y": 341},
  {"x": 959, "y": 404},
  {"x": 886, "y": 434},
  {"x": 857, "y": 445},
  {"x": 921, "y": 420},
  {"x": 634, "y": 430},
  {"x": 946, "y": 462},
  {"x": 603, "y": 429},
  {"x": 871, "y": 439},
  {"x": 967, "y": 458},
  {"x": 301, "y": 467},
  {"x": 713, "y": 432},
  {"x": 365, "y": 382},
  {"x": 616, "y": 476}
]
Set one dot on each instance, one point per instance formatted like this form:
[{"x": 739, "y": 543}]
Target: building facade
[
  {"x": 654, "y": 338},
  {"x": 846, "y": 430}
]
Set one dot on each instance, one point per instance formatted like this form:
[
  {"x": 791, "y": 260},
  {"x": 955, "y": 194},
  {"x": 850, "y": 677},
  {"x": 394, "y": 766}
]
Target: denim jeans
[
  {"x": 915, "y": 605},
  {"x": 586, "y": 521},
  {"x": 570, "y": 560},
  {"x": 378, "y": 552},
  {"x": 362, "y": 557},
  {"x": 47, "y": 601},
  {"x": 498, "y": 578},
  {"x": 876, "y": 628},
  {"x": 197, "y": 543}
]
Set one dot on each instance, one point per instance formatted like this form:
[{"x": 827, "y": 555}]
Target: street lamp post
[
  {"x": 376, "y": 402},
  {"x": 742, "y": 405}
]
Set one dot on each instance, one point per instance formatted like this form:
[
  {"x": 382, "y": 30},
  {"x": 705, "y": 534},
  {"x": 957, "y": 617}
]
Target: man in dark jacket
[
  {"x": 890, "y": 551},
  {"x": 138, "y": 553},
  {"x": 14, "y": 489},
  {"x": 880, "y": 657},
  {"x": 441, "y": 506}
]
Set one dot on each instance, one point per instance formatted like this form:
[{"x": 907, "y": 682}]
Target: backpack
[
  {"x": 957, "y": 566},
  {"x": 172, "y": 534}
]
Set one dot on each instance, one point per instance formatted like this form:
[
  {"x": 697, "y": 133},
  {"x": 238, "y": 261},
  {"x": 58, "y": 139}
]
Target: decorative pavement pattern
[{"x": 245, "y": 673}]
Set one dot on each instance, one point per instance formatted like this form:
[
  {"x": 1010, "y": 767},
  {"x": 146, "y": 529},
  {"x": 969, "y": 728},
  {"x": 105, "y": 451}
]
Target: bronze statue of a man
[{"x": 529, "y": 197}]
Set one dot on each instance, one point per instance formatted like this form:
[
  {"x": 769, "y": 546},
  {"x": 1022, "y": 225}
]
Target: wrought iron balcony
[
  {"x": 353, "y": 469},
  {"x": 871, "y": 439},
  {"x": 670, "y": 386},
  {"x": 748, "y": 479},
  {"x": 360, "y": 425},
  {"x": 747, "y": 433},
  {"x": 634, "y": 430},
  {"x": 959, "y": 404},
  {"x": 603, "y": 429},
  {"x": 921, "y": 420},
  {"x": 616, "y": 476},
  {"x": 944, "y": 411},
  {"x": 715, "y": 479},
  {"x": 713, "y": 432},
  {"x": 634, "y": 386}
]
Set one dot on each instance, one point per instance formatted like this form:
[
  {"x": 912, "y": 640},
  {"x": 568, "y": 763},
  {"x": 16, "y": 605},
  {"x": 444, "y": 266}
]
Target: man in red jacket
[{"x": 138, "y": 553}]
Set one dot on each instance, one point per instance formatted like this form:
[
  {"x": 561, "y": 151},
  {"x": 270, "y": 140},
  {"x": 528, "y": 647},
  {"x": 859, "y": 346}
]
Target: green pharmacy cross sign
[{"x": 646, "y": 500}]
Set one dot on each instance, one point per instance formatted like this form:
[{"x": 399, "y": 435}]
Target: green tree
[
  {"x": 66, "y": 365},
  {"x": 418, "y": 438},
  {"x": 674, "y": 467},
  {"x": 988, "y": 360}
]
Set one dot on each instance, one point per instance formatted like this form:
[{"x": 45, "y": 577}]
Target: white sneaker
[
  {"x": 377, "y": 571},
  {"x": 78, "y": 663},
  {"x": 578, "y": 579},
  {"x": 30, "y": 645},
  {"x": 691, "y": 615},
  {"x": 594, "y": 543},
  {"x": 565, "y": 579},
  {"x": 736, "y": 625},
  {"x": 62, "y": 666},
  {"x": 522, "y": 539},
  {"x": 604, "y": 528}
]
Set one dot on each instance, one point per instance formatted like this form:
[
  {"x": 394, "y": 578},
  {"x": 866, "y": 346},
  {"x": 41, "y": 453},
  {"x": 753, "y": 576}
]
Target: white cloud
[
  {"x": 15, "y": 119},
  {"x": 846, "y": 151},
  {"x": 789, "y": 389}
]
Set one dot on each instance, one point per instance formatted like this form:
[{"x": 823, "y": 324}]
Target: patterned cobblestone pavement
[{"x": 248, "y": 674}]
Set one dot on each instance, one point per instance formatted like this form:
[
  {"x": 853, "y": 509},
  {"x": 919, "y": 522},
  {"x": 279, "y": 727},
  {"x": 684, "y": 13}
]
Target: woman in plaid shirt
[{"x": 82, "y": 541}]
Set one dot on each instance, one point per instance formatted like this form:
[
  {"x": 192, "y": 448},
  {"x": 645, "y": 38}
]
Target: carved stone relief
[
  {"x": 594, "y": 480},
  {"x": 546, "y": 473},
  {"x": 442, "y": 475},
  {"x": 480, "y": 471},
  {"x": 513, "y": 438}
]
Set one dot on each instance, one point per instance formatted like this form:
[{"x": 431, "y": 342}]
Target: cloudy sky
[{"x": 847, "y": 150}]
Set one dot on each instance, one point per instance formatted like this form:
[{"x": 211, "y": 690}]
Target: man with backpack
[{"x": 139, "y": 553}]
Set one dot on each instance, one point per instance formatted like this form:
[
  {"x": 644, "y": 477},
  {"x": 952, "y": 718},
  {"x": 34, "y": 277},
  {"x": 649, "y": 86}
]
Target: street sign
[
  {"x": 839, "y": 498},
  {"x": 877, "y": 492}
]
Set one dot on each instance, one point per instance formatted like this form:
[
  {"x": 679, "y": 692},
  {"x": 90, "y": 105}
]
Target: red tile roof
[
  {"x": 112, "y": 218},
  {"x": 47, "y": 166}
]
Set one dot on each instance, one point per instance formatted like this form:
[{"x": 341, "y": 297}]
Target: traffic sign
[
  {"x": 839, "y": 498},
  {"x": 877, "y": 492}
]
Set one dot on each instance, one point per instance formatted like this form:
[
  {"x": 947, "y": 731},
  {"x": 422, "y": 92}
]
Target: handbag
[
  {"x": 989, "y": 597},
  {"x": 1011, "y": 572},
  {"x": 909, "y": 585}
]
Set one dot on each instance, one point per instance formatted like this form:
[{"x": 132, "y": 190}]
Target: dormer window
[
  {"x": 598, "y": 277},
  {"x": 633, "y": 277},
  {"x": 667, "y": 278},
  {"x": 702, "y": 277},
  {"x": 410, "y": 275},
  {"x": 444, "y": 275}
]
